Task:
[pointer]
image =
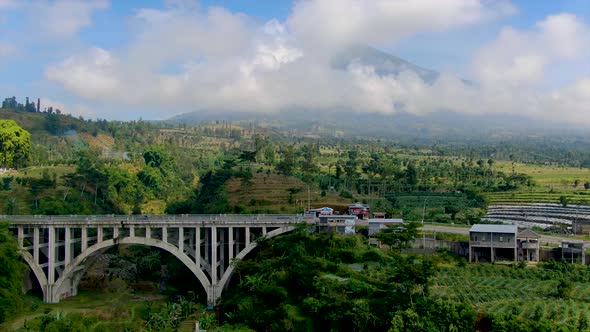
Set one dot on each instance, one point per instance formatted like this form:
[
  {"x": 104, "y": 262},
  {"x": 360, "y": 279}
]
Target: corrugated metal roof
[
  {"x": 528, "y": 234},
  {"x": 486, "y": 228}
]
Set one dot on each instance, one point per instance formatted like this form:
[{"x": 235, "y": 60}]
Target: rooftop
[
  {"x": 486, "y": 228},
  {"x": 528, "y": 234}
]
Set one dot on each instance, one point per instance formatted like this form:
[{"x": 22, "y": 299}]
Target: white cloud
[
  {"x": 183, "y": 58},
  {"x": 63, "y": 18},
  {"x": 334, "y": 23},
  {"x": 92, "y": 75},
  {"x": 72, "y": 109},
  {"x": 517, "y": 56},
  {"x": 571, "y": 103}
]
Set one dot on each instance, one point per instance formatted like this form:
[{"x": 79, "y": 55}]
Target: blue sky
[{"x": 155, "y": 58}]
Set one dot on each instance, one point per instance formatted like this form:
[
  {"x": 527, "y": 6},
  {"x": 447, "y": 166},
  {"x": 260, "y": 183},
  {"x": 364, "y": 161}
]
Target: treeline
[
  {"x": 112, "y": 174},
  {"x": 13, "y": 104}
]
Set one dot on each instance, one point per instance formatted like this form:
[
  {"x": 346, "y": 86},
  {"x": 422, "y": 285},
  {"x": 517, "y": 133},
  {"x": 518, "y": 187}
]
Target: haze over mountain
[
  {"x": 435, "y": 125},
  {"x": 383, "y": 63}
]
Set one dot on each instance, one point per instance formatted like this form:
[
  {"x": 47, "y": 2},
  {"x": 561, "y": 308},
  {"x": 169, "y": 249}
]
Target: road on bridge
[{"x": 545, "y": 239}]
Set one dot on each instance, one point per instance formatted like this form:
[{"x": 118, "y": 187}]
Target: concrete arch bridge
[{"x": 58, "y": 248}]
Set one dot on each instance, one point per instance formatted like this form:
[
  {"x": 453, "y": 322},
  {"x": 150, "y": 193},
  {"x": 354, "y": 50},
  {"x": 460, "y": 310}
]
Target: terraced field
[
  {"x": 541, "y": 215},
  {"x": 529, "y": 292},
  {"x": 546, "y": 196}
]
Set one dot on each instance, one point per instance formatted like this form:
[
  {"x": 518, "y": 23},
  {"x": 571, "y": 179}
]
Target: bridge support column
[
  {"x": 51, "y": 256},
  {"x": 230, "y": 239},
  {"x": 181, "y": 239},
  {"x": 36, "y": 245},
  {"x": 214, "y": 245},
  {"x": 68, "y": 246},
  {"x": 213, "y": 293},
  {"x": 84, "y": 244},
  {"x": 198, "y": 246}
]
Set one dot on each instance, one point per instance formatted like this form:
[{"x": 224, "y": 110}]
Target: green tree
[
  {"x": 399, "y": 236},
  {"x": 15, "y": 144},
  {"x": 563, "y": 200},
  {"x": 11, "y": 274},
  {"x": 269, "y": 155},
  {"x": 286, "y": 165},
  {"x": 411, "y": 174}
]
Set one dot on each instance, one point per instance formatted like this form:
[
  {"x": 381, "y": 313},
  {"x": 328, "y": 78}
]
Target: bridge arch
[
  {"x": 229, "y": 272},
  {"x": 68, "y": 282},
  {"x": 37, "y": 271},
  {"x": 205, "y": 244}
]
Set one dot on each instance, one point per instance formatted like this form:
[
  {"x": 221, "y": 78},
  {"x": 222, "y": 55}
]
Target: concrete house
[
  {"x": 343, "y": 224},
  {"x": 493, "y": 242},
  {"x": 573, "y": 251}
]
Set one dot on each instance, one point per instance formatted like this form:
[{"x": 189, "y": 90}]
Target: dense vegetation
[
  {"x": 300, "y": 281},
  {"x": 308, "y": 282},
  {"x": 11, "y": 274},
  {"x": 92, "y": 167}
]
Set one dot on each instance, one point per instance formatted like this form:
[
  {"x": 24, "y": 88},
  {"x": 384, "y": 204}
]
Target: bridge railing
[{"x": 157, "y": 219}]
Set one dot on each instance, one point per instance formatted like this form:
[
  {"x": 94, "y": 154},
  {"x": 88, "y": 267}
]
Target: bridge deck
[{"x": 156, "y": 220}]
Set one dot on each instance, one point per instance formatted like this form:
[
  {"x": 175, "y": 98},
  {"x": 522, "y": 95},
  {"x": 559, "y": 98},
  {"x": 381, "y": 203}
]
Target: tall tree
[
  {"x": 15, "y": 144},
  {"x": 11, "y": 274},
  {"x": 286, "y": 165}
]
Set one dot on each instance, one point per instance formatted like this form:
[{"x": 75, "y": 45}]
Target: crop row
[
  {"x": 536, "y": 197},
  {"x": 530, "y": 292}
]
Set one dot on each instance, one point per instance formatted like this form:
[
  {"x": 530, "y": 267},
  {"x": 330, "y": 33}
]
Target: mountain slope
[{"x": 384, "y": 63}]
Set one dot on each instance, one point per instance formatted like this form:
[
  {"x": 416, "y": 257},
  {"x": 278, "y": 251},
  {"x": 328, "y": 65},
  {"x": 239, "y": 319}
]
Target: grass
[
  {"x": 87, "y": 303},
  {"x": 548, "y": 176},
  {"x": 552, "y": 183}
]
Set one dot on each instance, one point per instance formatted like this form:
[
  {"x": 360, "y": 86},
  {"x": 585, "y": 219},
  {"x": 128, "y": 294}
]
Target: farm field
[
  {"x": 552, "y": 182},
  {"x": 540, "y": 195},
  {"x": 530, "y": 292},
  {"x": 549, "y": 176}
]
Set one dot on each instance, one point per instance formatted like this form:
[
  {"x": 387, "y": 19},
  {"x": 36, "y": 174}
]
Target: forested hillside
[{"x": 78, "y": 166}]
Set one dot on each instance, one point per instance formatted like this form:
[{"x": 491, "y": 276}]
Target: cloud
[
  {"x": 334, "y": 23},
  {"x": 63, "y": 18},
  {"x": 74, "y": 109},
  {"x": 518, "y": 56},
  {"x": 571, "y": 103},
  {"x": 184, "y": 58},
  {"x": 92, "y": 75}
]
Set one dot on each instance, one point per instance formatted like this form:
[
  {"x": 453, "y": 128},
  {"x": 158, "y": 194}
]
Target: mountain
[
  {"x": 384, "y": 63},
  {"x": 442, "y": 124}
]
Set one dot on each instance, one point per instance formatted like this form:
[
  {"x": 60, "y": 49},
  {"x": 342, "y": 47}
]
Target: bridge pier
[{"x": 58, "y": 248}]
